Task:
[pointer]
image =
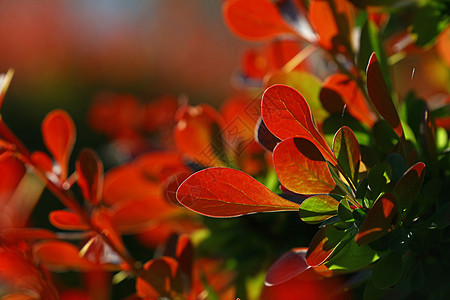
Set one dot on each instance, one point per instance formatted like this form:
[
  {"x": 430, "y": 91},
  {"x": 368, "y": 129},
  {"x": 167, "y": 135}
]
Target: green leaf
[
  {"x": 338, "y": 180},
  {"x": 379, "y": 176},
  {"x": 344, "y": 211},
  {"x": 427, "y": 24},
  {"x": 385, "y": 136},
  {"x": 346, "y": 149},
  {"x": 352, "y": 257},
  {"x": 388, "y": 271},
  {"x": 316, "y": 209}
]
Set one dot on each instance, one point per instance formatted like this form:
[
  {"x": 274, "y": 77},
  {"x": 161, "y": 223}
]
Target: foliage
[{"x": 318, "y": 126}]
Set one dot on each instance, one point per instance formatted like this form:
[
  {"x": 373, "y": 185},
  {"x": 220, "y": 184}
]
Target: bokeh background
[{"x": 64, "y": 52}]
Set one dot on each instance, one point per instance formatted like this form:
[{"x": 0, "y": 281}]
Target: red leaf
[
  {"x": 101, "y": 218},
  {"x": 443, "y": 44},
  {"x": 12, "y": 171},
  {"x": 224, "y": 192},
  {"x": 380, "y": 96},
  {"x": 408, "y": 186},
  {"x": 254, "y": 19},
  {"x": 379, "y": 220},
  {"x": 332, "y": 20},
  {"x": 90, "y": 175},
  {"x": 59, "y": 133},
  {"x": 171, "y": 186},
  {"x": 301, "y": 167},
  {"x": 286, "y": 114},
  {"x": 339, "y": 90},
  {"x": 42, "y": 161},
  {"x": 180, "y": 248},
  {"x": 197, "y": 134},
  {"x": 133, "y": 216},
  {"x": 287, "y": 266},
  {"x": 59, "y": 255},
  {"x": 27, "y": 234},
  {"x": 159, "y": 278},
  {"x": 67, "y": 220}
]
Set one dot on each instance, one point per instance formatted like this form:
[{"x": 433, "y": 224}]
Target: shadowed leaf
[
  {"x": 323, "y": 244},
  {"x": 388, "y": 270},
  {"x": 378, "y": 221},
  {"x": 265, "y": 137},
  {"x": 287, "y": 266},
  {"x": 408, "y": 186},
  {"x": 254, "y": 19},
  {"x": 159, "y": 278},
  {"x": 59, "y": 133},
  {"x": 318, "y": 208},
  {"x": 90, "y": 175},
  {"x": 301, "y": 168},
  {"x": 224, "y": 192},
  {"x": 380, "y": 96},
  {"x": 286, "y": 114},
  {"x": 346, "y": 150}
]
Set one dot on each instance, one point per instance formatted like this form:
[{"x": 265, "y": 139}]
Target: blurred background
[{"x": 65, "y": 52}]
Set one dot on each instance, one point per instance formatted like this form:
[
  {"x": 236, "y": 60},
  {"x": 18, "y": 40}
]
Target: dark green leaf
[
  {"x": 379, "y": 176},
  {"x": 388, "y": 271},
  {"x": 344, "y": 211},
  {"x": 385, "y": 136}
]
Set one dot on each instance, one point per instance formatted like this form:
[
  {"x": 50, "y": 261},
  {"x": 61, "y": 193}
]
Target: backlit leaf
[
  {"x": 318, "y": 208},
  {"x": 340, "y": 93},
  {"x": 254, "y": 19},
  {"x": 379, "y": 220},
  {"x": 59, "y": 133},
  {"x": 301, "y": 167},
  {"x": 352, "y": 257},
  {"x": 287, "y": 114},
  {"x": 287, "y": 266},
  {"x": 380, "y": 96},
  {"x": 346, "y": 150},
  {"x": 332, "y": 21},
  {"x": 323, "y": 244},
  {"x": 224, "y": 192},
  {"x": 409, "y": 185},
  {"x": 90, "y": 175},
  {"x": 306, "y": 84},
  {"x": 102, "y": 220}
]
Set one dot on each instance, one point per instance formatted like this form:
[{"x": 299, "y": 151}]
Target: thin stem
[{"x": 299, "y": 58}]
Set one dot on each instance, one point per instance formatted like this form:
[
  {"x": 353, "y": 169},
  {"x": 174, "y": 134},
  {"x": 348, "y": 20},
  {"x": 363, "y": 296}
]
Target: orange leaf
[
  {"x": 101, "y": 218},
  {"x": 380, "y": 96},
  {"x": 287, "y": 114},
  {"x": 224, "y": 192},
  {"x": 339, "y": 90},
  {"x": 90, "y": 175},
  {"x": 332, "y": 20},
  {"x": 443, "y": 44},
  {"x": 254, "y": 19},
  {"x": 59, "y": 133},
  {"x": 59, "y": 255},
  {"x": 301, "y": 167}
]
